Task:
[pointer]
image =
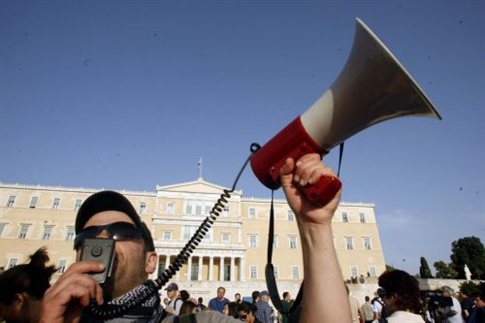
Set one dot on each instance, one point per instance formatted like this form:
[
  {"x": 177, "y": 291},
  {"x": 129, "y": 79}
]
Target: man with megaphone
[{"x": 76, "y": 288}]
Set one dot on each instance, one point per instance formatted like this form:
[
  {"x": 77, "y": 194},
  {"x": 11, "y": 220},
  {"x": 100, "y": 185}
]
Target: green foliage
[
  {"x": 444, "y": 270},
  {"x": 424, "y": 270},
  {"x": 469, "y": 288},
  {"x": 471, "y": 252},
  {"x": 389, "y": 268}
]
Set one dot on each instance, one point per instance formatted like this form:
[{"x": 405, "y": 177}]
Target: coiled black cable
[{"x": 143, "y": 292}]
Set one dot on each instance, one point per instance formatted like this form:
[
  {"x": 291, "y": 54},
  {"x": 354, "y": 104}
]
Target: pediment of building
[{"x": 198, "y": 186}]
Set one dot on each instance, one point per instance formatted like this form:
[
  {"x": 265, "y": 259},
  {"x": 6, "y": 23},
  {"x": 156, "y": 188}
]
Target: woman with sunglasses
[{"x": 246, "y": 312}]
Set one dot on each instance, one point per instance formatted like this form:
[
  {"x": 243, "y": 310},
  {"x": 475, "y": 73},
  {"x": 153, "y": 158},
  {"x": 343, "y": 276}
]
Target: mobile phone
[{"x": 103, "y": 251}]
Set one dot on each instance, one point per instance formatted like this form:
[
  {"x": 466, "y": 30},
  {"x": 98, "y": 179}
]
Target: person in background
[
  {"x": 367, "y": 310},
  {"x": 175, "y": 303},
  {"x": 230, "y": 309},
  {"x": 200, "y": 304},
  {"x": 378, "y": 305},
  {"x": 401, "y": 296},
  {"x": 237, "y": 298},
  {"x": 218, "y": 302},
  {"x": 264, "y": 311},
  {"x": 478, "y": 315},
  {"x": 22, "y": 288},
  {"x": 453, "y": 313},
  {"x": 246, "y": 312},
  {"x": 286, "y": 305}
]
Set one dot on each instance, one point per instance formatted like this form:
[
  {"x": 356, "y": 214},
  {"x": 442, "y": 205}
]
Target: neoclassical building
[{"x": 232, "y": 254}]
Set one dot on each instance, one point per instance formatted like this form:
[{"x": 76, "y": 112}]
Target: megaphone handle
[
  {"x": 319, "y": 193},
  {"x": 323, "y": 191}
]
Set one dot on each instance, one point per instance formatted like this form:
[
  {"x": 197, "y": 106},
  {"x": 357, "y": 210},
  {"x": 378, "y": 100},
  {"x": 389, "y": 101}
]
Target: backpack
[{"x": 383, "y": 309}]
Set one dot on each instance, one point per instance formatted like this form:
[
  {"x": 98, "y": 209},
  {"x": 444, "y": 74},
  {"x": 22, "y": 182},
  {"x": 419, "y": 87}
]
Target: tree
[
  {"x": 424, "y": 270},
  {"x": 471, "y": 252},
  {"x": 444, "y": 271}
]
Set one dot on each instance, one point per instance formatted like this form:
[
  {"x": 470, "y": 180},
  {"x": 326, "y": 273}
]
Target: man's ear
[
  {"x": 19, "y": 300},
  {"x": 151, "y": 262}
]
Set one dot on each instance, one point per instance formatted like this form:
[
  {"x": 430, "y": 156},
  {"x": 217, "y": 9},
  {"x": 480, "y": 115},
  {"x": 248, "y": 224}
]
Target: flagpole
[{"x": 199, "y": 166}]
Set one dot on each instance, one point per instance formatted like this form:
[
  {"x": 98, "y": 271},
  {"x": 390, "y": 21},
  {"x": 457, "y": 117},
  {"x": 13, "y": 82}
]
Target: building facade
[{"x": 233, "y": 250}]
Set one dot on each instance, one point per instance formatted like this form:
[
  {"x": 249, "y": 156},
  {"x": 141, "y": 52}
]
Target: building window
[
  {"x": 276, "y": 272},
  {"x": 225, "y": 238},
  {"x": 12, "y": 263},
  {"x": 167, "y": 235},
  {"x": 362, "y": 217},
  {"x": 372, "y": 271},
  {"x": 55, "y": 203},
  {"x": 251, "y": 213},
  {"x": 46, "y": 235},
  {"x": 24, "y": 229},
  {"x": 142, "y": 208},
  {"x": 188, "y": 209},
  {"x": 189, "y": 231},
  {"x": 367, "y": 243},
  {"x": 345, "y": 217},
  {"x": 170, "y": 208},
  {"x": 354, "y": 273},
  {"x": 197, "y": 208},
  {"x": 253, "y": 272},
  {"x": 77, "y": 204},
  {"x": 10, "y": 201},
  {"x": 253, "y": 241},
  {"x": 292, "y": 241},
  {"x": 275, "y": 241},
  {"x": 33, "y": 202},
  {"x": 61, "y": 266},
  {"x": 295, "y": 272},
  {"x": 2, "y": 228},
  {"x": 291, "y": 215},
  {"x": 349, "y": 243},
  {"x": 70, "y": 233}
]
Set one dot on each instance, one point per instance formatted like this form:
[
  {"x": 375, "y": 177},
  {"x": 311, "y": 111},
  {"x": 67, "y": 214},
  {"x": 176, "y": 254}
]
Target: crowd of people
[
  {"x": 27, "y": 296},
  {"x": 259, "y": 310}
]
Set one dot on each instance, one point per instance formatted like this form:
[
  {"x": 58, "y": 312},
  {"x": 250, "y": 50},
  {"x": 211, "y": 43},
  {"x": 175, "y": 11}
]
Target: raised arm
[{"x": 324, "y": 285}]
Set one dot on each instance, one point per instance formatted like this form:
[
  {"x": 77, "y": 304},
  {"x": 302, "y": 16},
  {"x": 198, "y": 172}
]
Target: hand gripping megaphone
[{"x": 372, "y": 87}]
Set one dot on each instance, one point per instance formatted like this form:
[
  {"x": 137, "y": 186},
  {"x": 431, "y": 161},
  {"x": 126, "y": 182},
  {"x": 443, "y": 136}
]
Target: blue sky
[{"x": 130, "y": 94}]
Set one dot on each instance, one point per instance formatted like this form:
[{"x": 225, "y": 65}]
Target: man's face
[
  {"x": 172, "y": 294},
  {"x": 220, "y": 293},
  {"x": 132, "y": 263}
]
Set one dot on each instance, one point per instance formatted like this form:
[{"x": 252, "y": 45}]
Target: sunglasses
[
  {"x": 117, "y": 231},
  {"x": 243, "y": 317}
]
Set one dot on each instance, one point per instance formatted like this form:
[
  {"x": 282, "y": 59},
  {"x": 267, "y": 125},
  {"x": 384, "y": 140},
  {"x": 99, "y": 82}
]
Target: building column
[
  {"x": 211, "y": 268},
  {"x": 232, "y": 270},
  {"x": 241, "y": 269},
  {"x": 221, "y": 268},
  {"x": 167, "y": 261},
  {"x": 201, "y": 267},
  {"x": 189, "y": 268}
]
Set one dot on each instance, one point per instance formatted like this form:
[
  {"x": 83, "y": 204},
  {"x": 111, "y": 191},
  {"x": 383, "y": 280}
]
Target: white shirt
[
  {"x": 457, "y": 318},
  {"x": 404, "y": 317}
]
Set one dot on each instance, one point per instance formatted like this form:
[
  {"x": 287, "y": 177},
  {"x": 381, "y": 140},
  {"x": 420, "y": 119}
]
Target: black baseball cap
[{"x": 112, "y": 201}]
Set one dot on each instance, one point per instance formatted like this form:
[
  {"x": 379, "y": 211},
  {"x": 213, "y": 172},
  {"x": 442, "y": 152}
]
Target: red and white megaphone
[{"x": 372, "y": 87}]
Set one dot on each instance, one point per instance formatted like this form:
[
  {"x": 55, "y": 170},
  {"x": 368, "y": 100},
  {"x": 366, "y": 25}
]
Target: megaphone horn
[{"x": 372, "y": 87}]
